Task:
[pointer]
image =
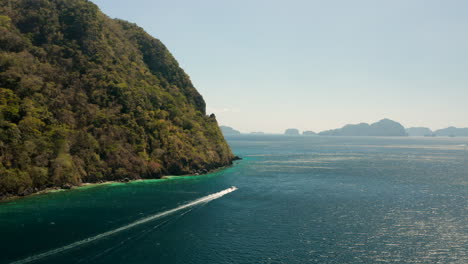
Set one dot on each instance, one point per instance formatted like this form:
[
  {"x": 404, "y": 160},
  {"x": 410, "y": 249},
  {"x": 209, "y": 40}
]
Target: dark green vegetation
[
  {"x": 85, "y": 98},
  {"x": 384, "y": 127}
]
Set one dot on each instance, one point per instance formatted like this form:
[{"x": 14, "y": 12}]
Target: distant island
[
  {"x": 291, "y": 132},
  {"x": 384, "y": 127},
  {"x": 229, "y": 131},
  {"x": 419, "y": 132},
  {"x": 445, "y": 132},
  {"x": 452, "y": 132},
  {"x": 309, "y": 133}
]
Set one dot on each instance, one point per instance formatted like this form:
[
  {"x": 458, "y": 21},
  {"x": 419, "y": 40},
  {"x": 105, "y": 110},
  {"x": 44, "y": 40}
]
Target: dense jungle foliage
[{"x": 85, "y": 98}]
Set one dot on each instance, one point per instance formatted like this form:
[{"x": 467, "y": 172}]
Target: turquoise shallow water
[{"x": 300, "y": 200}]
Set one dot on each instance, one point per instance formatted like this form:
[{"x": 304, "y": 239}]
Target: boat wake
[{"x": 201, "y": 200}]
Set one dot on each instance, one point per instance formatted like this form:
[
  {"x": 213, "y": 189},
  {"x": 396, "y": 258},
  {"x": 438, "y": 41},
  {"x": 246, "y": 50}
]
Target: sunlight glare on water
[{"x": 300, "y": 200}]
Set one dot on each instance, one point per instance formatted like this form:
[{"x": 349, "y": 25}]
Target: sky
[{"x": 269, "y": 65}]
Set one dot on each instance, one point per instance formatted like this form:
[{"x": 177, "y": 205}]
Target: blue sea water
[{"x": 299, "y": 200}]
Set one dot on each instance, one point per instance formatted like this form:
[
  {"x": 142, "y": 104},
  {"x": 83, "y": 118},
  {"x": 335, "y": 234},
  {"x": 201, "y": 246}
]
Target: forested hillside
[{"x": 85, "y": 98}]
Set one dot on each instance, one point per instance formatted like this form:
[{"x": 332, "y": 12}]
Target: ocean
[{"x": 298, "y": 200}]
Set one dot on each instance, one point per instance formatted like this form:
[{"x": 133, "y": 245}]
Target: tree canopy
[{"x": 85, "y": 98}]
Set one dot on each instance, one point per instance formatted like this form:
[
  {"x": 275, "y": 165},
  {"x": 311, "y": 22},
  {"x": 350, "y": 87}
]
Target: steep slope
[
  {"x": 361, "y": 129},
  {"x": 85, "y": 98}
]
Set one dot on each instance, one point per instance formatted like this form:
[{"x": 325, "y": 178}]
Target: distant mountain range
[{"x": 384, "y": 127}]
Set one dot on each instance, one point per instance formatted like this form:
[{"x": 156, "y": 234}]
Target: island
[
  {"x": 85, "y": 98},
  {"x": 291, "y": 132},
  {"x": 419, "y": 132},
  {"x": 257, "y": 133},
  {"x": 309, "y": 133},
  {"x": 229, "y": 131},
  {"x": 452, "y": 132},
  {"x": 384, "y": 127}
]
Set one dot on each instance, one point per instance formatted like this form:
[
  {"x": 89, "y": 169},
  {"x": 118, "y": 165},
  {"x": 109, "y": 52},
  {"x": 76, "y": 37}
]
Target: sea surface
[{"x": 299, "y": 200}]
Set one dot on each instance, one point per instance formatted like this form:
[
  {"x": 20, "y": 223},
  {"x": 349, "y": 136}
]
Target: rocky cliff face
[{"x": 85, "y": 98}]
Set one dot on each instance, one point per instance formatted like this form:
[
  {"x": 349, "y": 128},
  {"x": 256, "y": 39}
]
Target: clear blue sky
[{"x": 314, "y": 65}]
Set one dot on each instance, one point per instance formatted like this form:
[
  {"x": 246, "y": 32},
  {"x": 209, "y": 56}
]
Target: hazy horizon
[
  {"x": 314, "y": 65},
  {"x": 317, "y": 131}
]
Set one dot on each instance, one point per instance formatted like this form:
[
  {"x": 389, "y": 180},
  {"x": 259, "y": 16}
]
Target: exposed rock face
[
  {"x": 229, "y": 131},
  {"x": 291, "y": 132},
  {"x": 418, "y": 131},
  {"x": 384, "y": 127}
]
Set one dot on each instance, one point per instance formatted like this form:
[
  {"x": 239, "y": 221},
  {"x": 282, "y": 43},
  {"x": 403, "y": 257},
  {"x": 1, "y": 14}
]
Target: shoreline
[{"x": 124, "y": 181}]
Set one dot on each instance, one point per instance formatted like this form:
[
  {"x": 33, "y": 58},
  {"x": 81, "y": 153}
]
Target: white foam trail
[{"x": 204, "y": 199}]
